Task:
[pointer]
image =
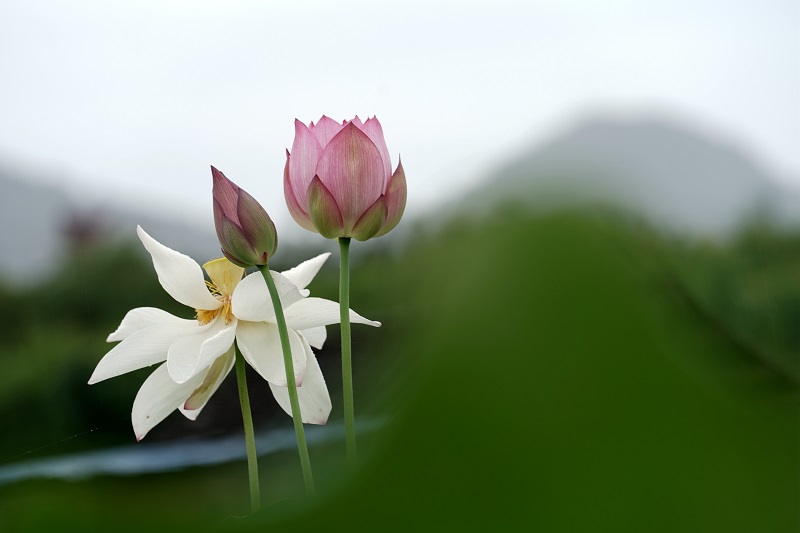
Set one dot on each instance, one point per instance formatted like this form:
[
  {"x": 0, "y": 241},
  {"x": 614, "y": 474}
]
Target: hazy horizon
[{"x": 135, "y": 101}]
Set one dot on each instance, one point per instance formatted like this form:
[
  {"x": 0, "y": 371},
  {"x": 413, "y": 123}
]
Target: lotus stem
[
  {"x": 249, "y": 436},
  {"x": 297, "y": 417},
  {"x": 347, "y": 363}
]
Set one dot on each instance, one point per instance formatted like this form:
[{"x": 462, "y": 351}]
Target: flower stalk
[
  {"x": 305, "y": 461},
  {"x": 347, "y": 362},
  {"x": 249, "y": 435}
]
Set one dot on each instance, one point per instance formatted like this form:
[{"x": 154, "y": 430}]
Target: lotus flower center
[
  {"x": 224, "y": 278},
  {"x": 204, "y": 316}
]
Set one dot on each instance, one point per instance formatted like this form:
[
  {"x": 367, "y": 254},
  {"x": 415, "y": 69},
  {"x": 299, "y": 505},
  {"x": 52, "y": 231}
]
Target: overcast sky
[{"x": 136, "y": 99}]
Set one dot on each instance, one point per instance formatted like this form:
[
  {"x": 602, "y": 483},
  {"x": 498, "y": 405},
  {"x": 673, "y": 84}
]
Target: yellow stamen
[
  {"x": 212, "y": 288},
  {"x": 204, "y": 316}
]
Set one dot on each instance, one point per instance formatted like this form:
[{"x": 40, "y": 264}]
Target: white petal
[
  {"x": 179, "y": 274},
  {"x": 314, "y": 312},
  {"x": 302, "y": 274},
  {"x": 315, "y": 402},
  {"x": 143, "y": 317},
  {"x": 251, "y": 300},
  {"x": 315, "y": 336},
  {"x": 214, "y": 376},
  {"x": 260, "y": 345},
  {"x": 140, "y": 349},
  {"x": 157, "y": 398},
  {"x": 190, "y": 354}
]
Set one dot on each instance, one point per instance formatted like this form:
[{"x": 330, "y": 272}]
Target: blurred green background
[{"x": 571, "y": 371}]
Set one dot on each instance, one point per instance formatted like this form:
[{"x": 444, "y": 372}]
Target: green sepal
[
  {"x": 324, "y": 211},
  {"x": 257, "y": 227},
  {"x": 235, "y": 245},
  {"x": 371, "y": 221}
]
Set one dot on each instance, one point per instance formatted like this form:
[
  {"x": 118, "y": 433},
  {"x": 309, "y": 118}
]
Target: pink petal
[
  {"x": 396, "y": 194},
  {"x": 296, "y": 208},
  {"x": 375, "y": 133},
  {"x": 325, "y": 130},
  {"x": 306, "y": 152},
  {"x": 226, "y": 193},
  {"x": 351, "y": 168}
]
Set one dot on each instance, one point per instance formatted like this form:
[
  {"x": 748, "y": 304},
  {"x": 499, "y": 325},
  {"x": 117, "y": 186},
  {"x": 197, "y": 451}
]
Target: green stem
[
  {"x": 249, "y": 436},
  {"x": 347, "y": 363},
  {"x": 305, "y": 461}
]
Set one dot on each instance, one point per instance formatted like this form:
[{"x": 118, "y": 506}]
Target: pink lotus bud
[
  {"x": 338, "y": 179},
  {"x": 244, "y": 229}
]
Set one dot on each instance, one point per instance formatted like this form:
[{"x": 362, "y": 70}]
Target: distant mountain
[
  {"x": 39, "y": 223},
  {"x": 671, "y": 174},
  {"x": 29, "y": 216},
  {"x": 674, "y": 176}
]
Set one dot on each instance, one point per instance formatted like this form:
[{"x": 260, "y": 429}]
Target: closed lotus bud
[
  {"x": 338, "y": 179},
  {"x": 244, "y": 229}
]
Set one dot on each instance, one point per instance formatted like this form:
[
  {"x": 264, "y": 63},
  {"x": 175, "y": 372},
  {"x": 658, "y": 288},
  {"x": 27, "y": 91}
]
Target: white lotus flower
[{"x": 199, "y": 352}]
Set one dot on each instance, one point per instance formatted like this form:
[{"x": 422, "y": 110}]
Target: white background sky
[{"x": 135, "y": 100}]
